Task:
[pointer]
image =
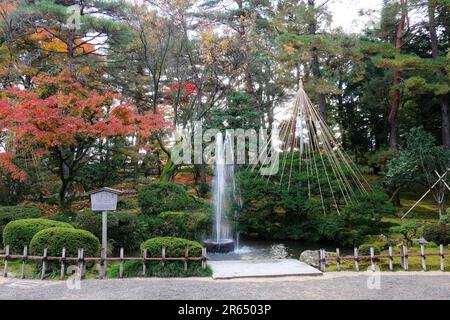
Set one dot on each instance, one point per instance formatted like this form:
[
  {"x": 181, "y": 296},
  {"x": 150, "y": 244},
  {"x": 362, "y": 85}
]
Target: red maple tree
[{"x": 61, "y": 119}]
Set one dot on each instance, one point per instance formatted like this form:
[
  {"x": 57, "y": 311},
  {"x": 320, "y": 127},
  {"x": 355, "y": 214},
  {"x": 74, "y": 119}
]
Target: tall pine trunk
[
  {"x": 395, "y": 107},
  {"x": 315, "y": 64},
  {"x": 440, "y": 74}
]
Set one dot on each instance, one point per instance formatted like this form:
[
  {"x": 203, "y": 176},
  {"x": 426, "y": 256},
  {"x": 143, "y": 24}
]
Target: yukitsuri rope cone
[{"x": 306, "y": 135}]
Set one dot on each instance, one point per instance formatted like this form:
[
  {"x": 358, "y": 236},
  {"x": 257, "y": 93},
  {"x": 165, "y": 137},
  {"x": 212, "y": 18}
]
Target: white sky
[{"x": 345, "y": 13}]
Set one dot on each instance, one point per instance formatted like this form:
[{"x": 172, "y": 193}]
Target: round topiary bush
[
  {"x": 54, "y": 239},
  {"x": 19, "y": 233},
  {"x": 159, "y": 197},
  {"x": 8, "y": 214},
  {"x": 438, "y": 233},
  {"x": 175, "y": 247}
]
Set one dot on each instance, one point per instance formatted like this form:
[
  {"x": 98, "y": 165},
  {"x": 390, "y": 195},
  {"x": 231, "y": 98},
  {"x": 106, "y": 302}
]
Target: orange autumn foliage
[
  {"x": 49, "y": 42},
  {"x": 61, "y": 114}
]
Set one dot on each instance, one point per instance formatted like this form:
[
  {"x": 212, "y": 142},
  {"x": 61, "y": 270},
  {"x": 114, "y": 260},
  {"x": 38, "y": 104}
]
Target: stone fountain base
[{"x": 224, "y": 246}]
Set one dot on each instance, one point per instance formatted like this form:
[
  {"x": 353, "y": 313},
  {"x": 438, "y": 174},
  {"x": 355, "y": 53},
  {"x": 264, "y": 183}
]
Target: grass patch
[
  {"x": 131, "y": 269},
  {"x": 155, "y": 269}
]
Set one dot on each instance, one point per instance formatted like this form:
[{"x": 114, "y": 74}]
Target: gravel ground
[{"x": 336, "y": 286}]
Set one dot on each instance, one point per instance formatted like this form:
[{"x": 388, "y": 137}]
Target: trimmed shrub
[
  {"x": 437, "y": 232},
  {"x": 161, "y": 196},
  {"x": 19, "y": 233},
  {"x": 8, "y": 214},
  {"x": 175, "y": 247},
  {"x": 54, "y": 239},
  {"x": 446, "y": 218},
  {"x": 189, "y": 225},
  {"x": 124, "y": 229},
  {"x": 378, "y": 247}
]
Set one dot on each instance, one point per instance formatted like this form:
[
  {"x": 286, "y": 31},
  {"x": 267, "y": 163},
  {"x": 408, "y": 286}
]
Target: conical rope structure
[{"x": 327, "y": 167}]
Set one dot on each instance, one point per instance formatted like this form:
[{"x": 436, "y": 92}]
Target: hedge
[
  {"x": 175, "y": 247},
  {"x": 124, "y": 229},
  {"x": 8, "y": 214},
  {"x": 19, "y": 233},
  {"x": 161, "y": 196},
  {"x": 54, "y": 239}
]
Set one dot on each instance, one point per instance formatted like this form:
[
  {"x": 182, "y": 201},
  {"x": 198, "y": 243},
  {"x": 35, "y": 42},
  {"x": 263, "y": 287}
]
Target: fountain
[{"x": 224, "y": 194}]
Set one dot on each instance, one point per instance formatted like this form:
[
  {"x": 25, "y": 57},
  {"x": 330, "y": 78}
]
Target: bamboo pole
[{"x": 426, "y": 193}]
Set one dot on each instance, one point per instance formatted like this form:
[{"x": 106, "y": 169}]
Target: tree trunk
[
  {"x": 168, "y": 171},
  {"x": 440, "y": 74},
  {"x": 66, "y": 192},
  {"x": 250, "y": 88},
  {"x": 315, "y": 64},
  {"x": 396, "y": 84}
]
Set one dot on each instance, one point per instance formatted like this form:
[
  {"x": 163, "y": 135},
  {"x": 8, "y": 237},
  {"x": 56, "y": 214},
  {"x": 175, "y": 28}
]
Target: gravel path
[{"x": 346, "y": 285}]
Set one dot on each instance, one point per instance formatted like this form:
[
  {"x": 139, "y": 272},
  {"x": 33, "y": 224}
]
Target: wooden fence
[
  {"x": 81, "y": 261},
  {"x": 404, "y": 255}
]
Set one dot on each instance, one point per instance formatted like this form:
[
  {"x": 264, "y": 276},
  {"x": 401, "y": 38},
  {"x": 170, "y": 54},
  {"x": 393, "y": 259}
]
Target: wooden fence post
[
  {"x": 372, "y": 258},
  {"x": 204, "y": 258},
  {"x": 424, "y": 262},
  {"x": 24, "y": 261},
  {"x": 103, "y": 263},
  {"x": 186, "y": 257},
  {"x": 63, "y": 263},
  {"x": 121, "y": 263},
  {"x": 356, "y": 259},
  {"x": 402, "y": 258},
  {"x": 405, "y": 255},
  {"x": 82, "y": 264},
  {"x": 324, "y": 261},
  {"x": 391, "y": 259},
  {"x": 163, "y": 255},
  {"x": 144, "y": 266},
  {"x": 44, "y": 264},
  {"x": 5, "y": 269},
  {"x": 338, "y": 259},
  {"x": 441, "y": 253}
]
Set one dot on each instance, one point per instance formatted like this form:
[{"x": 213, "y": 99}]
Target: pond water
[{"x": 250, "y": 249}]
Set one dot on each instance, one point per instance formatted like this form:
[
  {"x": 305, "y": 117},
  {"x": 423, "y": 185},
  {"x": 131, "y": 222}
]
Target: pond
[{"x": 250, "y": 249}]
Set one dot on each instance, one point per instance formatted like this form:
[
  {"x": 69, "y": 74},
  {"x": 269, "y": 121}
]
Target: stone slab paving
[{"x": 229, "y": 269}]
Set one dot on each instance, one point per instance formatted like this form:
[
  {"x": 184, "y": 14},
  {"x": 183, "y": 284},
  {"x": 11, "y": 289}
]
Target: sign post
[{"x": 104, "y": 200}]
